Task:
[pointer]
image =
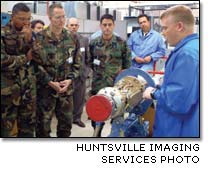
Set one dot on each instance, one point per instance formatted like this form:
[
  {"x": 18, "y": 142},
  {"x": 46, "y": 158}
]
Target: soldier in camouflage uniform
[
  {"x": 18, "y": 91},
  {"x": 57, "y": 53},
  {"x": 109, "y": 56}
]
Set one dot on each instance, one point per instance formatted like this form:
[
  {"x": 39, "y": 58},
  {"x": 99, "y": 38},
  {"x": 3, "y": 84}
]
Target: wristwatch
[{"x": 152, "y": 94}]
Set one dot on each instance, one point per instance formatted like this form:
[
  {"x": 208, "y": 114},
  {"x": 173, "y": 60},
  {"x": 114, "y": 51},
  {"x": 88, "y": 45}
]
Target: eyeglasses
[
  {"x": 59, "y": 17},
  {"x": 24, "y": 19}
]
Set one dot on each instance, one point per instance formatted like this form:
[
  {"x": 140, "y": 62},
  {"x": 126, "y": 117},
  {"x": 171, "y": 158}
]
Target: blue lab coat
[
  {"x": 177, "y": 110},
  {"x": 150, "y": 45}
]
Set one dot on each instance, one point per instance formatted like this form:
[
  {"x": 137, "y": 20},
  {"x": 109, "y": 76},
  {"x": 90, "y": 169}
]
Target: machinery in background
[
  {"x": 5, "y": 18},
  {"x": 123, "y": 104}
]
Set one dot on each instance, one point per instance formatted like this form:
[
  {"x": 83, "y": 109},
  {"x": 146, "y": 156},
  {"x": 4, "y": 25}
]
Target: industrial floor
[{"x": 82, "y": 132}]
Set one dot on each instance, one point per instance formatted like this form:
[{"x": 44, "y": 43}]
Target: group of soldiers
[{"x": 43, "y": 74}]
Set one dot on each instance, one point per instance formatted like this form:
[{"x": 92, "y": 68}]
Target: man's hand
[
  {"x": 27, "y": 32},
  {"x": 64, "y": 85},
  {"x": 147, "y": 59},
  {"x": 146, "y": 94},
  {"x": 120, "y": 71},
  {"x": 139, "y": 60},
  {"x": 55, "y": 86}
]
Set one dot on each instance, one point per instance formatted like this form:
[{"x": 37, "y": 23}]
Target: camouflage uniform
[
  {"x": 57, "y": 60},
  {"x": 108, "y": 58},
  {"x": 113, "y": 55},
  {"x": 18, "y": 91}
]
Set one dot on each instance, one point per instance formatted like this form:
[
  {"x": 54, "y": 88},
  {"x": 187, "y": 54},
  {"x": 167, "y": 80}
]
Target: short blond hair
[
  {"x": 52, "y": 7},
  {"x": 180, "y": 13}
]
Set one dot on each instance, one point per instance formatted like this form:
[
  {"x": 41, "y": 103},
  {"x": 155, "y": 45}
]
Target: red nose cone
[{"x": 99, "y": 108}]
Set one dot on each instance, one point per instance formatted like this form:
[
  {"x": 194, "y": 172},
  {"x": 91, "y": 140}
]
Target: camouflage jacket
[
  {"x": 57, "y": 60},
  {"x": 107, "y": 60},
  {"x": 15, "y": 67}
]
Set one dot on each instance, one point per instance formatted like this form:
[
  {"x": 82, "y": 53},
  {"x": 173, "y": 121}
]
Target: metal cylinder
[{"x": 111, "y": 102}]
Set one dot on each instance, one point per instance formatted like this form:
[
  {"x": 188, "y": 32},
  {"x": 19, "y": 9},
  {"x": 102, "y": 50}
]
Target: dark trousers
[
  {"x": 79, "y": 98},
  {"x": 97, "y": 126}
]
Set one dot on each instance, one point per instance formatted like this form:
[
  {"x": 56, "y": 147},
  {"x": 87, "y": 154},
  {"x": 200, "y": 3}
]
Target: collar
[
  {"x": 102, "y": 41},
  {"x": 52, "y": 36},
  {"x": 140, "y": 32},
  {"x": 186, "y": 40}
]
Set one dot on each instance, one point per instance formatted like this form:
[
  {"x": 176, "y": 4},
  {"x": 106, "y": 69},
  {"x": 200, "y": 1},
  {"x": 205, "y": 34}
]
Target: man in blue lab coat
[{"x": 177, "y": 110}]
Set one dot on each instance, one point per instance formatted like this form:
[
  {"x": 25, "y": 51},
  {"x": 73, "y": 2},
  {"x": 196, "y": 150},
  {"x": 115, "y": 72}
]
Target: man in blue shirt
[
  {"x": 177, "y": 111},
  {"x": 146, "y": 44}
]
